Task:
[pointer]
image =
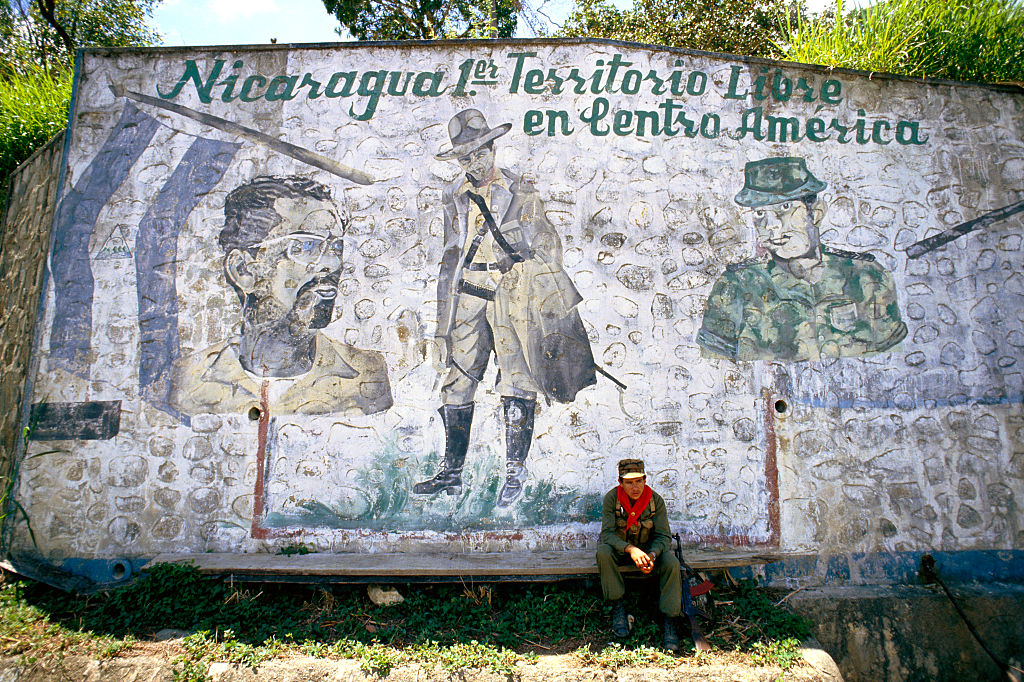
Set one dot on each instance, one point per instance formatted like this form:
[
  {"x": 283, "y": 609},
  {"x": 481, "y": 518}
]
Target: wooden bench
[{"x": 547, "y": 566}]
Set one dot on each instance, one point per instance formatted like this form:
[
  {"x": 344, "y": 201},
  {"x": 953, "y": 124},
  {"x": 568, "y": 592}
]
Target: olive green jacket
[{"x": 651, "y": 534}]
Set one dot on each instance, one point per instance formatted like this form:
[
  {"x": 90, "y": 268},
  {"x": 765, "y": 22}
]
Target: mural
[
  {"x": 503, "y": 291},
  {"x": 359, "y": 297},
  {"x": 283, "y": 248},
  {"x": 807, "y": 301}
]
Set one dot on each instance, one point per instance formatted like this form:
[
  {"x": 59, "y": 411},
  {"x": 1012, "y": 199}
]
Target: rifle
[{"x": 700, "y": 642}]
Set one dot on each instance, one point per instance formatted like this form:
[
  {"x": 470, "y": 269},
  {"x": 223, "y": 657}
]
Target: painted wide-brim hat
[
  {"x": 469, "y": 131},
  {"x": 772, "y": 181}
]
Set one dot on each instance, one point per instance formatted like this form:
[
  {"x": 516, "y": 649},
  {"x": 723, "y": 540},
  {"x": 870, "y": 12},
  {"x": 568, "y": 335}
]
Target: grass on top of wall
[
  {"x": 974, "y": 40},
  {"x": 495, "y": 626},
  {"x": 33, "y": 108}
]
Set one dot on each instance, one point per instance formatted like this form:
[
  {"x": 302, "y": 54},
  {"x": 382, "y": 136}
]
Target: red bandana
[{"x": 633, "y": 511}]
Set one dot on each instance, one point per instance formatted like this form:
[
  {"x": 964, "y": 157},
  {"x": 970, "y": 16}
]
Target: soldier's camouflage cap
[
  {"x": 772, "y": 181},
  {"x": 631, "y": 468}
]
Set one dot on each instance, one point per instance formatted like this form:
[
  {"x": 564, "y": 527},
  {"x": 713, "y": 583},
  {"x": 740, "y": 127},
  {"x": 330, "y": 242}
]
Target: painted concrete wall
[{"x": 259, "y": 329}]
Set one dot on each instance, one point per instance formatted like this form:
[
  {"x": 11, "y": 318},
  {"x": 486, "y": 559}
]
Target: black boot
[
  {"x": 670, "y": 638},
  {"x": 620, "y": 621},
  {"x": 457, "y": 420},
  {"x": 518, "y": 436}
]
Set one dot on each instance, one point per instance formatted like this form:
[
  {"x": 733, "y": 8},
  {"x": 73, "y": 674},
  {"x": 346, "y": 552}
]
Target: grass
[
  {"x": 33, "y": 109},
  {"x": 977, "y": 40},
  {"x": 449, "y": 628}
]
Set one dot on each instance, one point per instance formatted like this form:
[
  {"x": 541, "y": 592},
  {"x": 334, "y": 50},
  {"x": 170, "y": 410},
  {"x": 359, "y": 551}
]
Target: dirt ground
[{"x": 154, "y": 662}]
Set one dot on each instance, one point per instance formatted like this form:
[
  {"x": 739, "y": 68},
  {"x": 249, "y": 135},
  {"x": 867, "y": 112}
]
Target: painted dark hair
[{"x": 249, "y": 213}]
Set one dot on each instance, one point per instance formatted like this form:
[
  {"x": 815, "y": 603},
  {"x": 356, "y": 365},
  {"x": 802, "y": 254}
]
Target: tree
[
  {"x": 423, "y": 19},
  {"x": 749, "y": 27},
  {"x": 38, "y": 39},
  {"x": 44, "y": 34}
]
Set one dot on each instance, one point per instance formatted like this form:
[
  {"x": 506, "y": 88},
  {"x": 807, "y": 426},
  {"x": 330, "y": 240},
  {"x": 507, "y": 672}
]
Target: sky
[{"x": 254, "y": 22}]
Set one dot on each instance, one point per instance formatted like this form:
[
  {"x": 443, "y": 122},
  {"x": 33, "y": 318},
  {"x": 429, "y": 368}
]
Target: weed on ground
[{"x": 495, "y": 627}]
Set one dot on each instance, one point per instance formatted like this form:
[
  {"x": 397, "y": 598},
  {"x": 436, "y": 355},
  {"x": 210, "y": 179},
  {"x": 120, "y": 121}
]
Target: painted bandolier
[
  {"x": 501, "y": 290},
  {"x": 635, "y": 530},
  {"x": 806, "y": 301}
]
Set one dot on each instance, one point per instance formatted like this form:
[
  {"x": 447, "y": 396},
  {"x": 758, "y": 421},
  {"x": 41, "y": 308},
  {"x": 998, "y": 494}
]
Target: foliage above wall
[
  {"x": 423, "y": 19},
  {"x": 33, "y": 109},
  {"x": 975, "y": 40},
  {"x": 748, "y": 27},
  {"x": 29, "y": 40}
]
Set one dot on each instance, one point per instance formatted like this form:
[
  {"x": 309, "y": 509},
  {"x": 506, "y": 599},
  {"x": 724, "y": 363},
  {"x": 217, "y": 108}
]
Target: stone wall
[
  {"x": 747, "y": 251},
  {"x": 24, "y": 241}
]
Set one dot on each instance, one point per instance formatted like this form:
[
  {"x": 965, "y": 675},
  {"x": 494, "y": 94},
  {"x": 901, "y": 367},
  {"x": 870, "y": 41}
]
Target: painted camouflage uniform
[{"x": 759, "y": 311}]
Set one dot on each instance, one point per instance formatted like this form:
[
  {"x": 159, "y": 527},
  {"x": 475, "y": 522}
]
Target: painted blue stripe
[
  {"x": 71, "y": 333},
  {"x": 889, "y": 404},
  {"x": 156, "y": 261}
]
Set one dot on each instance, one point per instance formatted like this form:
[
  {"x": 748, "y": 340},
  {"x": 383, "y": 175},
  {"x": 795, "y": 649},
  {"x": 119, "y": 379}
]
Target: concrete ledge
[{"x": 554, "y": 565}]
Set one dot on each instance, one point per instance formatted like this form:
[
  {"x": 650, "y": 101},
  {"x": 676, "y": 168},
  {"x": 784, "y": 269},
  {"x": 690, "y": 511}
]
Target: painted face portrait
[
  {"x": 788, "y": 229},
  {"x": 478, "y": 164},
  {"x": 294, "y": 271}
]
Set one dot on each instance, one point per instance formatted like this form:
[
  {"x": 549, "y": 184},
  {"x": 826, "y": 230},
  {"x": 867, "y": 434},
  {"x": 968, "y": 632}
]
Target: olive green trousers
[{"x": 666, "y": 568}]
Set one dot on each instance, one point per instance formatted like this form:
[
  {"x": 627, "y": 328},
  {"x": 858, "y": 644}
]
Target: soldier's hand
[
  {"x": 641, "y": 558},
  {"x": 441, "y": 351}
]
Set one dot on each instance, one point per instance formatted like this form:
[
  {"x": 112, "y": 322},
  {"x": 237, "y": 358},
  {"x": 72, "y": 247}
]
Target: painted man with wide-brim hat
[
  {"x": 635, "y": 530},
  {"x": 805, "y": 300},
  {"x": 501, "y": 289}
]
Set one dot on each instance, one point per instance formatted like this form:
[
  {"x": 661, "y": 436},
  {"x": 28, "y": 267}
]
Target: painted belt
[
  {"x": 474, "y": 290},
  {"x": 481, "y": 267}
]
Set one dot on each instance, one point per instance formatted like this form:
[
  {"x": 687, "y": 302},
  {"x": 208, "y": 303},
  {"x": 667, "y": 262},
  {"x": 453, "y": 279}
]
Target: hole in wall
[
  {"x": 254, "y": 414},
  {"x": 119, "y": 570},
  {"x": 781, "y": 406}
]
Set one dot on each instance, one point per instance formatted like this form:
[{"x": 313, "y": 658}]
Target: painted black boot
[
  {"x": 457, "y": 421},
  {"x": 518, "y": 437}
]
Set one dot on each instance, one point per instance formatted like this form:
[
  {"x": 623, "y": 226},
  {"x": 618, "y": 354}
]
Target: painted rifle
[
  {"x": 918, "y": 249},
  {"x": 287, "y": 148}
]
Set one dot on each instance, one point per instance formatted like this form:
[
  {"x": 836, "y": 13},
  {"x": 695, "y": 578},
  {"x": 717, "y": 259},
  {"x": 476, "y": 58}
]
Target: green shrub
[{"x": 976, "y": 40}]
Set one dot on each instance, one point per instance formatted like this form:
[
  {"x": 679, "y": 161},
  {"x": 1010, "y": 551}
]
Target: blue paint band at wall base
[
  {"x": 105, "y": 572},
  {"x": 885, "y": 568}
]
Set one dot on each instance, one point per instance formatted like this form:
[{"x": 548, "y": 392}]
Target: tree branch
[{"x": 47, "y": 9}]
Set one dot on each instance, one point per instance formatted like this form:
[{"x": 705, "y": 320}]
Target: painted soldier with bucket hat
[
  {"x": 806, "y": 301},
  {"x": 501, "y": 290}
]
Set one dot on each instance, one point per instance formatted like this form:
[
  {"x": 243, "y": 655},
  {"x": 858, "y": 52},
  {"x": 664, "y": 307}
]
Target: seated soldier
[{"x": 634, "y": 528}]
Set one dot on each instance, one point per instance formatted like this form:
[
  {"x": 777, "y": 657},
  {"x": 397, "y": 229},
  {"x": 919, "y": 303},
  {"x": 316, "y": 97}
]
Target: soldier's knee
[
  {"x": 604, "y": 554},
  {"x": 669, "y": 562}
]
